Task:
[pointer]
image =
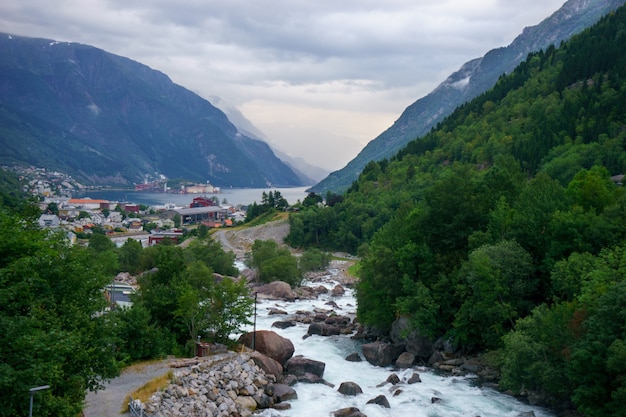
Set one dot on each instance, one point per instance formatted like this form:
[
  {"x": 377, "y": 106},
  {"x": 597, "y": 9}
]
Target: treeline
[
  {"x": 503, "y": 228},
  {"x": 54, "y": 318}
]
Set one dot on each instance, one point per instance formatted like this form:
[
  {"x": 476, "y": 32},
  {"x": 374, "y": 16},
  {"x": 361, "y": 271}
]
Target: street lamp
[
  {"x": 254, "y": 326},
  {"x": 32, "y": 392}
]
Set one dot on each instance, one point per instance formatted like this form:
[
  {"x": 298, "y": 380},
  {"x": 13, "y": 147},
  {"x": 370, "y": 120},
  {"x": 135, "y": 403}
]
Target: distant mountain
[
  {"x": 308, "y": 174},
  {"x": 472, "y": 79},
  {"x": 106, "y": 119}
]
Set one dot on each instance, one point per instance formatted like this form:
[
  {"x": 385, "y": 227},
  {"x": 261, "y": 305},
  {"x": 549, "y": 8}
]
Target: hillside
[
  {"x": 471, "y": 80},
  {"x": 106, "y": 119},
  {"x": 504, "y": 230}
]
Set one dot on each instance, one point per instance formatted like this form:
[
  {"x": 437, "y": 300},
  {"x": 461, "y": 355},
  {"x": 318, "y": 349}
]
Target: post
[
  {"x": 32, "y": 393},
  {"x": 254, "y": 325}
]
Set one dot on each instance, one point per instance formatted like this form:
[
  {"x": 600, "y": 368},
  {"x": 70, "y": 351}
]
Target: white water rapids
[{"x": 459, "y": 397}]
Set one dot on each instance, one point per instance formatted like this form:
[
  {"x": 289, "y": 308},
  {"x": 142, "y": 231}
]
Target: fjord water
[
  {"x": 233, "y": 196},
  {"x": 459, "y": 396}
]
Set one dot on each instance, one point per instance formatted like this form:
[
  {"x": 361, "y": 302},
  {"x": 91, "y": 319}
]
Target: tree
[
  {"x": 129, "y": 256},
  {"x": 496, "y": 284},
  {"x": 312, "y": 199},
  {"x": 314, "y": 259},
  {"x": 53, "y": 332},
  {"x": 274, "y": 263}
]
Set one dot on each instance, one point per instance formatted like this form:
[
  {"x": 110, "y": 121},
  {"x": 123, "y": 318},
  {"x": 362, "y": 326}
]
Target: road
[
  {"x": 109, "y": 401},
  {"x": 239, "y": 241}
]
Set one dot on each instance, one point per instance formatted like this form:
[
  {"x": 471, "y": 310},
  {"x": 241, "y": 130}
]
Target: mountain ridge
[
  {"x": 107, "y": 119},
  {"x": 473, "y": 78}
]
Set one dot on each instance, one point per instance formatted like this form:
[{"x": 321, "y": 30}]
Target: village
[{"x": 125, "y": 220}]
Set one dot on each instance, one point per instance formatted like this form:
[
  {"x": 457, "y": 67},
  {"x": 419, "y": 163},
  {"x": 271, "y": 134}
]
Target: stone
[
  {"x": 414, "y": 379},
  {"x": 348, "y": 412},
  {"x": 270, "y": 344},
  {"x": 323, "y": 329},
  {"x": 283, "y": 324},
  {"x": 350, "y": 388},
  {"x": 284, "y": 392},
  {"x": 338, "y": 291},
  {"x": 267, "y": 364},
  {"x": 405, "y": 360},
  {"x": 246, "y": 402},
  {"x": 402, "y": 332},
  {"x": 299, "y": 365},
  {"x": 382, "y": 354},
  {"x": 380, "y": 400},
  {"x": 276, "y": 290},
  {"x": 354, "y": 357}
]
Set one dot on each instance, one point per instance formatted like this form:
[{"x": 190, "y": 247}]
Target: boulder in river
[
  {"x": 382, "y": 354},
  {"x": 350, "y": 388},
  {"x": 270, "y": 344}
]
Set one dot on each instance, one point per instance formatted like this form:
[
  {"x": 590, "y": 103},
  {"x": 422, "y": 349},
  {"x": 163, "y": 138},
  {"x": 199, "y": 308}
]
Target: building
[
  {"x": 157, "y": 236},
  {"x": 201, "y": 202},
  {"x": 49, "y": 220},
  {"x": 197, "y": 215}
]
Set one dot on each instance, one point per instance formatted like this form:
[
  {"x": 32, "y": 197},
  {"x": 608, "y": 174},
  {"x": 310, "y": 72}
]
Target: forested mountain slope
[
  {"x": 472, "y": 79},
  {"x": 504, "y": 229}
]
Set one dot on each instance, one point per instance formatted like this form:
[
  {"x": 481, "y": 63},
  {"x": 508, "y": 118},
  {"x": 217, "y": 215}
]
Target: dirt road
[{"x": 240, "y": 241}]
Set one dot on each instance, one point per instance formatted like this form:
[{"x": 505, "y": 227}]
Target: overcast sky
[{"x": 320, "y": 78}]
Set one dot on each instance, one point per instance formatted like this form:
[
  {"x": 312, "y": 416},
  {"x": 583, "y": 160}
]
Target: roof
[
  {"x": 198, "y": 210},
  {"x": 86, "y": 201}
]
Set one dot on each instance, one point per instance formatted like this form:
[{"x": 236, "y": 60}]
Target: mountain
[
  {"x": 308, "y": 174},
  {"x": 503, "y": 228},
  {"x": 106, "y": 119},
  {"x": 472, "y": 79}
]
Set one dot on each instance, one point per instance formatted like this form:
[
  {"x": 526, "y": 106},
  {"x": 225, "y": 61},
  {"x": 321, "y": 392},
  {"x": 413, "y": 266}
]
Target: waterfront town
[{"x": 121, "y": 220}]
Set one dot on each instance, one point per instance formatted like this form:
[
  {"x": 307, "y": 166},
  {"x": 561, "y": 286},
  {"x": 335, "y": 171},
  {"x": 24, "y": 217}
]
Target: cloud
[{"x": 312, "y": 75}]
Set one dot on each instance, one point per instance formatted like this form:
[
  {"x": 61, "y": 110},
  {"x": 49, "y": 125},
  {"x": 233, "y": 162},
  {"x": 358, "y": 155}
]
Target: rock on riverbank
[{"x": 232, "y": 387}]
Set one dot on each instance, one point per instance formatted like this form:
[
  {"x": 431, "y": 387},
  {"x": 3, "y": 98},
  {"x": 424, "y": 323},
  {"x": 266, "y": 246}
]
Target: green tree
[
  {"x": 53, "y": 333},
  {"x": 313, "y": 259},
  {"x": 497, "y": 285},
  {"x": 129, "y": 256},
  {"x": 274, "y": 263}
]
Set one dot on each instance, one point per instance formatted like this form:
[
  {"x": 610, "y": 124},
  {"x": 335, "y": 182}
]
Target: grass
[
  {"x": 144, "y": 392},
  {"x": 354, "y": 270}
]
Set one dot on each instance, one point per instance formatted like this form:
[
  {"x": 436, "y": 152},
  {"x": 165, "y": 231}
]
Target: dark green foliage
[
  {"x": 129, "y": 256},
  {"x": 313, "y": 259},
  {"x": 274, "y": 263},
  {"x": 269, "y": 203},
  {"x": 139, "y": 338},
  {"x": 185, "y": 299},
  {"x": 53, "y": 335}
]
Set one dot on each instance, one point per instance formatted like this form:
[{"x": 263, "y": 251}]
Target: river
[
  {"x": 233, "y": 196},
  {"x": 459, "y": 395}
]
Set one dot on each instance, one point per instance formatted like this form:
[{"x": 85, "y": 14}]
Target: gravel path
[
  {"x": 239, "y": 241},
  {"x": 109, "y": 401}
]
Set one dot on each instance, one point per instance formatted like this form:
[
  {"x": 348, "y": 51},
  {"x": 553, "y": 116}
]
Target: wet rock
[
  {"x": 380, "y": 400},
  {"x": 350, "y": 388},
  {"x": 284, "y": 392},
  {"x": 354, "y": 357},
  {"x": 283, "y": 324},
  {"x": 323, "y": 329},
  {"x": 414, "y": 379},
  {"x": 405, "y": 360},
  {"x": 349, "y": 412},
  {"x": 270, "y": 344},
  {"x": 382, "y": 354},
  {"x": 299, "y": 366}
]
